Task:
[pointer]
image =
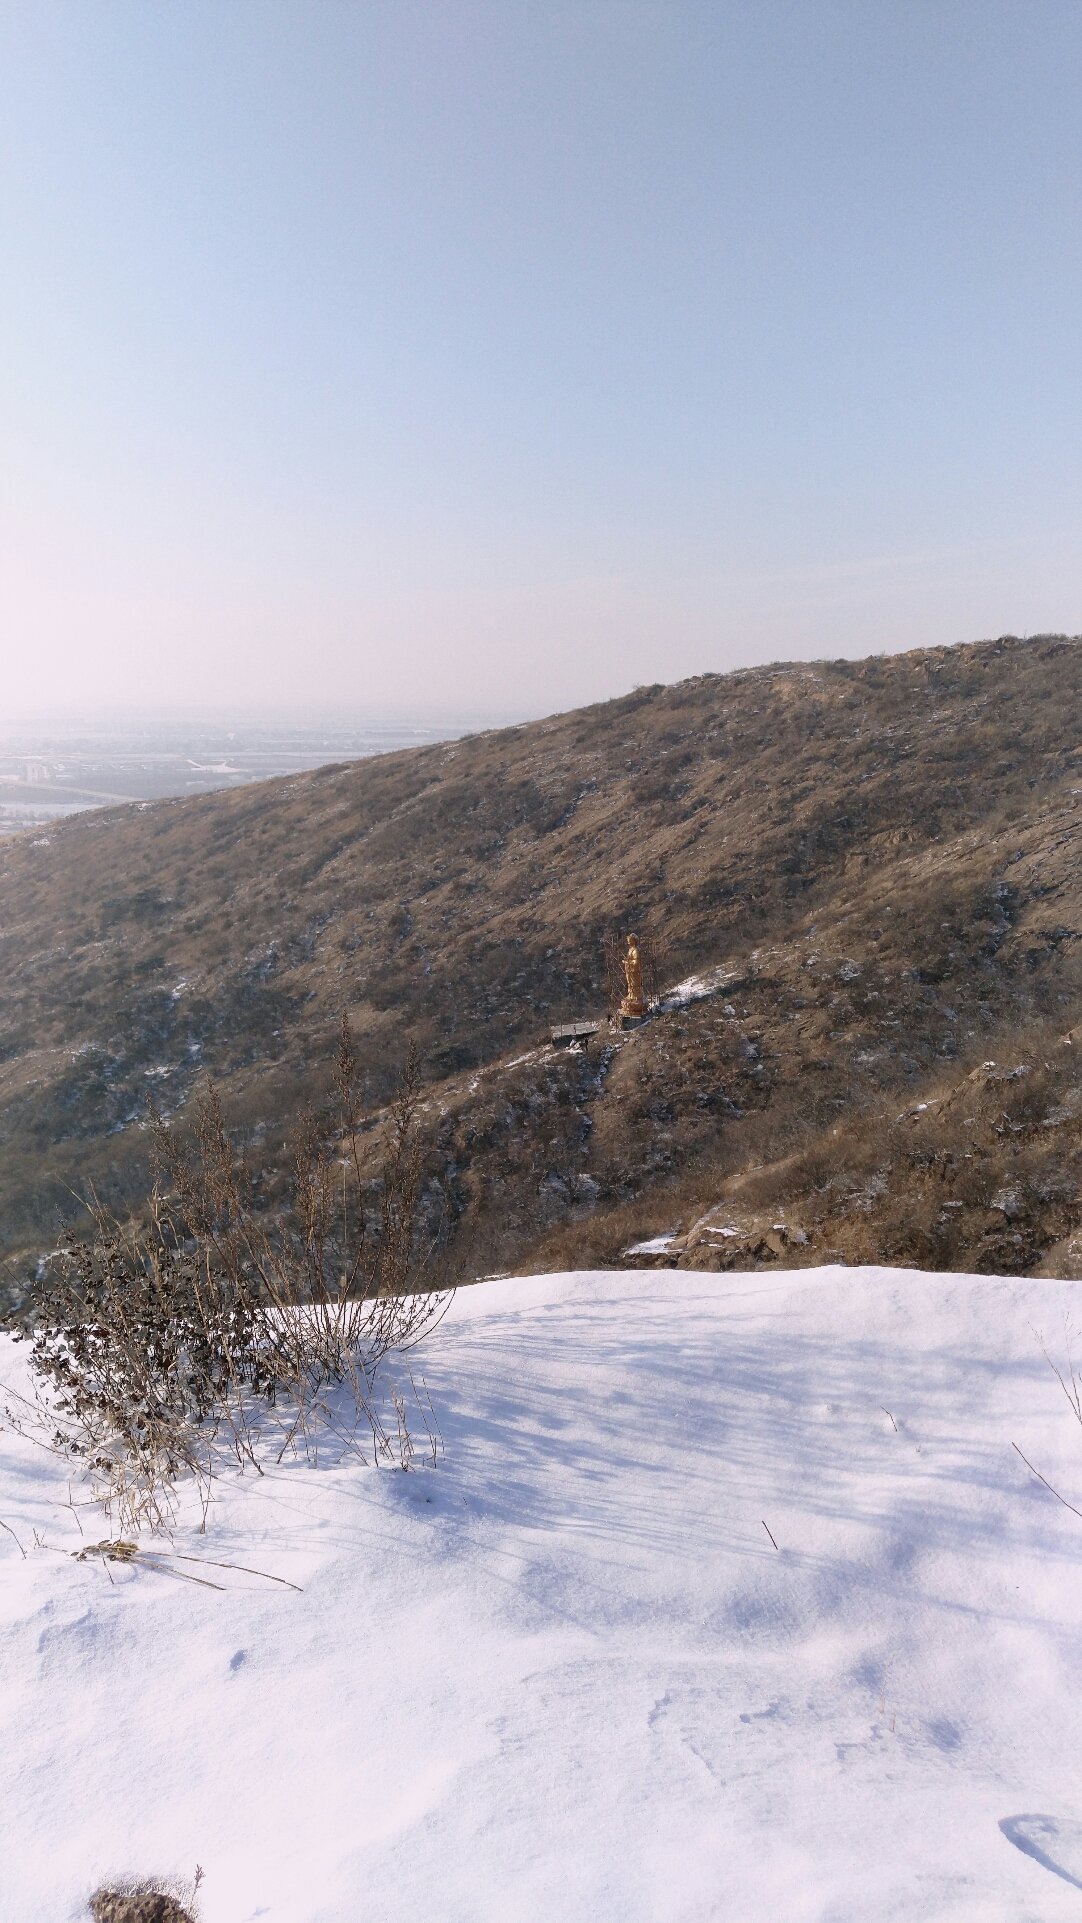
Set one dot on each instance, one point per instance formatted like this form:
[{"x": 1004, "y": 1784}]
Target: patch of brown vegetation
[{"x": 138, "y": 1904}]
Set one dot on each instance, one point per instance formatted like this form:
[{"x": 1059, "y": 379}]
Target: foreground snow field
[{"x": 565, "y": 1674}]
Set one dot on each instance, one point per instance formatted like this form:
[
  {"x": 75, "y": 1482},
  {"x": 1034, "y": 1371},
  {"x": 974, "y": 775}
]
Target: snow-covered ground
[{"x": 566, "y": 1674}]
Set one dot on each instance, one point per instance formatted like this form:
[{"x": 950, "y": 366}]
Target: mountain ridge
[{"x": 919, "y": 810}]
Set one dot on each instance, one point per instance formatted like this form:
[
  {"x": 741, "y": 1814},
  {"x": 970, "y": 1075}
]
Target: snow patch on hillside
[{"x": 696, "y": 988}]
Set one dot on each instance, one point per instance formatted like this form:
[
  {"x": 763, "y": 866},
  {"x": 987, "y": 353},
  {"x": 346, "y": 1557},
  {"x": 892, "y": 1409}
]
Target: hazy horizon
[
  {"x": 51, "y": 769},
  {"x": 87, "y": 717},
  {"x": 242, "y": 713},
  {"x": 413, "y": 361}
]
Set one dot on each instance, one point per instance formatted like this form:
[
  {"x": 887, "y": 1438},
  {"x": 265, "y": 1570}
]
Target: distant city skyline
[{"x": 482, "y": 359}]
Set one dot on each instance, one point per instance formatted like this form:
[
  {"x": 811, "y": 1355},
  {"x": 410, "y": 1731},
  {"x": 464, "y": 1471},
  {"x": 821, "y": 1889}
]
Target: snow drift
[{"x": 566, "y": 1672}]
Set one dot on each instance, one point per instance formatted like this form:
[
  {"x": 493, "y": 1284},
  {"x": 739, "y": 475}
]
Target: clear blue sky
[{"x": 503, "y": 355}]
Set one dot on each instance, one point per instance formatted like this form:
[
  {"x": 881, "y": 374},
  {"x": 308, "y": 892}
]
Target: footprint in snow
[{"x": 1055, "y": 1842}]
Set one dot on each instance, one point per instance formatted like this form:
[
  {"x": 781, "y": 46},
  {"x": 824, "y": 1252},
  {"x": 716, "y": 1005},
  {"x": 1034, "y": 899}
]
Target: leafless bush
[{"x": 160, "y": 1346}]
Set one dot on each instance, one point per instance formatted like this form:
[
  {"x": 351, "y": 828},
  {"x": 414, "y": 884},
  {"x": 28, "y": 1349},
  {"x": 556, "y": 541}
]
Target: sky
[{"x": 370, "y": 356}]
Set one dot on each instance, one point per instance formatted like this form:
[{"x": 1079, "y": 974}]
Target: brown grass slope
[{"x": 881, "y": 854}]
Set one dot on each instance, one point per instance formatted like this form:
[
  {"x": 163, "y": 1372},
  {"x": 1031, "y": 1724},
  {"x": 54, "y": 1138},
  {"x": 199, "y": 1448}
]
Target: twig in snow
[
  {"x": 886, "y": 1412},
  {"x": 14, "y": 1538},
  {"x": 163, "y": 1569},
  {"x": 265, "y": 1573},
  {"x": 74, "y": 1511},
  {"x": 129, "y": 1553},
  {"x": 768, "y": 1533},
  {"x": 1047, "y": 1484}
]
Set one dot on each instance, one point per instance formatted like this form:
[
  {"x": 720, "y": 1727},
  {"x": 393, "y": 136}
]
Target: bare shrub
[{"x": 160, "y": 1346}]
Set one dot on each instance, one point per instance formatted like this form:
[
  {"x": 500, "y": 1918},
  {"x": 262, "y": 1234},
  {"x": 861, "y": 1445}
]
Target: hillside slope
[{"x": 881, "y": 853}]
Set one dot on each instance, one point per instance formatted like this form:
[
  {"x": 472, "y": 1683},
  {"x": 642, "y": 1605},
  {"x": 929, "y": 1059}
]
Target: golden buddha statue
[{"x": 634, "y": 1003}]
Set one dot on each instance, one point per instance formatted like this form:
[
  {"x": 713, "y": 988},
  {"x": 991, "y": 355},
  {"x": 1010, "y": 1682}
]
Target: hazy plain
[{"x": 55, "y": 766}]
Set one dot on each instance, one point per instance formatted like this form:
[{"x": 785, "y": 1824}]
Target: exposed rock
[{"x": 140, "y": 1905}]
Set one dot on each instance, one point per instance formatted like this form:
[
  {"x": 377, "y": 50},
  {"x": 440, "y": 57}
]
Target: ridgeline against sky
[{"x": 413, "y": 357}]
